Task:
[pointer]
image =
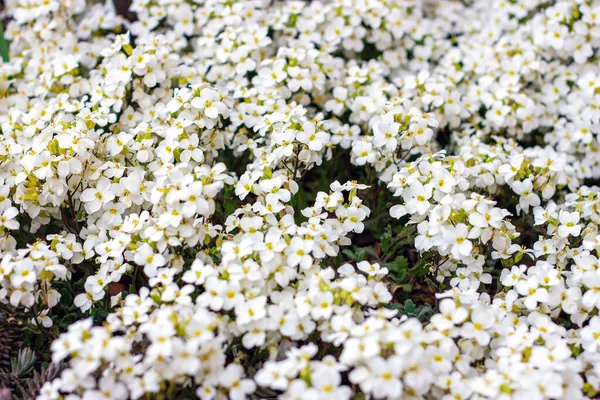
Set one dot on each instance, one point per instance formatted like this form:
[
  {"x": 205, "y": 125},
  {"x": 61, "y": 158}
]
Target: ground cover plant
[{"x": 260, "y": 199}]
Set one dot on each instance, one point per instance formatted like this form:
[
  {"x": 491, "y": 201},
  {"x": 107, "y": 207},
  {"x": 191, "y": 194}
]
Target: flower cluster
[{"x": 205, "y": 200}]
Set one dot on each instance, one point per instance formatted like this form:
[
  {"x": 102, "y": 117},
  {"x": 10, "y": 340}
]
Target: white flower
[
  {"x": 251, "y": 310},
  {"x": 314, "y": 139},
  {"x": 197, "y": 273},
  {"x": 299, "y": 252},
  {"x": 385, "y": 382},
  {"x": 569, "y": 224},
  {"x": 147, "y": 258},
  {"x": 7, "y": 219},
  {"x": 418, "y": 195},
  {"x": 23, "y": 274},
  {"x": 457, "y": 238},
  {"x": 363, "y": 152},
  {"x": 327, "y": 382},
  {"x": 209, "y": 102},
  {"x": 94, "y": 198},
  {"x": 482, "y": 320},
  {"x": 239, "y": 388}
]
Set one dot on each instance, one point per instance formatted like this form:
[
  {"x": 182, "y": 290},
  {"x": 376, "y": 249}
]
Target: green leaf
[
  {"x": 23, "y": 364},
  {"x": 65, "y": 296},
  {"x": 68, "y": 320},
  {"x": 99, "y": 314},
  {"x": 409, "y": 306},
  {"x": 398, "y": 269},
  {"x": 425, "y": 313},
  {"x": 399, "y": 276},
  {"x": 402, "y": 263},
  {"x": 228, "y": 206},
  {"x": 396, "y": 306},
  {"x": 420, "y": 269},
  {"x": 357, "y": 255},
  {"x": 348, "y": 253},
  {"x": 386, "y": 239},
  {"x": 360, "y": 253},
  {"x": 3, "y": 45},
  {"x": 519, "y": 256}
]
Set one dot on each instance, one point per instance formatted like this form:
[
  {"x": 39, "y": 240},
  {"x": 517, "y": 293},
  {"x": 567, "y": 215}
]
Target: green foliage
[
  {"x": 411, "y": 310},
  {"x": 3, "y": 44},
  {"x": 26, "y": 375},
  {"x": 23, "y": 364},
  {"x": 393, "y": 240},
  {"x": 31, "y": 387},
  {"x": 398, "y": 269},
  {"x": 357, "y": 254}
]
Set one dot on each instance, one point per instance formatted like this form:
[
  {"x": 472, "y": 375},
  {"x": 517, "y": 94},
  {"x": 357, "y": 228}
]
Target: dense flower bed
[{"x": 348, "y": 199}]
